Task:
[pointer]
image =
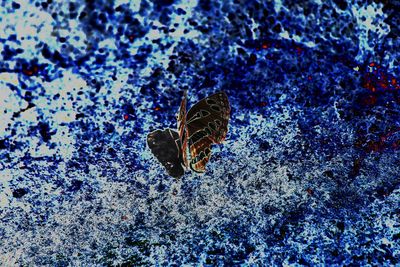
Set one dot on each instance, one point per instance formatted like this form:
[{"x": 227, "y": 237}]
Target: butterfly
[{"x": 205, "y": 124}]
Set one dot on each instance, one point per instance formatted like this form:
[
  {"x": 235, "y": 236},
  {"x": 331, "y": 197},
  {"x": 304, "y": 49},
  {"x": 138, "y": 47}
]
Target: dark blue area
[
  {"x": 75, "y": 185},
  {"x": 16, "y": 5},
  {"x": 20, "y": 192}
]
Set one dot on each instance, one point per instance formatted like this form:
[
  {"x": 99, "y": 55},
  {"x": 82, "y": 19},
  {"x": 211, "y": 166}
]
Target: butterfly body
[{"x": 205, "y": 124}]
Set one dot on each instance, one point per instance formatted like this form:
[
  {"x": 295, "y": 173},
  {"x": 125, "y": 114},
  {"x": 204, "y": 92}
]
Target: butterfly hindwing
[
  {"x": 165, "y": 146},
  {"x": 200, "y": 154},
  {"x": 206, "y": 124}
]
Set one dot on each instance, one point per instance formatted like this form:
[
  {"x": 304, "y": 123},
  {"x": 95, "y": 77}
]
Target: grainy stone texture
[{"x": 309, "y": 173}]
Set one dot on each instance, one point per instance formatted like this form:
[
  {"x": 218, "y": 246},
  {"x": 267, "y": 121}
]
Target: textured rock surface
[{"x": 309, "y": 173}]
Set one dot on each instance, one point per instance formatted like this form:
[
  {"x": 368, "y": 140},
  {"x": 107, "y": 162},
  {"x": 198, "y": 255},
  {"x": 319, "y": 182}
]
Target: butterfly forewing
[{"x": 206, "y": 124}]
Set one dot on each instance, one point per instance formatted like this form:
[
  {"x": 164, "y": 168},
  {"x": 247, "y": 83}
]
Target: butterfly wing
[
  {"x": 182, "y": 129},
  {"x": 165, "y": 146},
  {"x": 206, "y": 124}
]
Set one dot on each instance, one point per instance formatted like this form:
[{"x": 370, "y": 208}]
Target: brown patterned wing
[
  {"x": 182, "y": 129},
  {"x": 206, "y": 124}
]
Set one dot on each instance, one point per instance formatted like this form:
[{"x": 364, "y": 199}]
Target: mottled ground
[{"x": 309, "y": 174}]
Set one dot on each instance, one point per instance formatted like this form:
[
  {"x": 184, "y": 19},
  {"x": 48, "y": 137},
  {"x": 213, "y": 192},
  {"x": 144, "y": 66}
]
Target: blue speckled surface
[{"x": 309, "y": 173}]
